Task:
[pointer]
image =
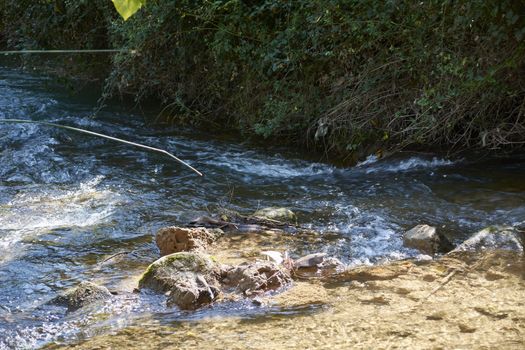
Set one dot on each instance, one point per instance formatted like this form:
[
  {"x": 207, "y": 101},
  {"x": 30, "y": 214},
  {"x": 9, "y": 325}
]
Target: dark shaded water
[{"x": 67, "y": 201}]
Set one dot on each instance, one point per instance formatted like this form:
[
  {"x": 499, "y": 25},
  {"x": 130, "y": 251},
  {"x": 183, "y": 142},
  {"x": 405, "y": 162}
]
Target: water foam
[
  {"x": 371, "y": 236},
  {"x": 29, "y": 214},
  {"x": 275, "y": 167},
  {"x": 119, "y": 312},
  {"x": 371, "y": 164}
]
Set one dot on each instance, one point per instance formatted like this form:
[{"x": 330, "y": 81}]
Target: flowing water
[{"x": 68, "y": 201}]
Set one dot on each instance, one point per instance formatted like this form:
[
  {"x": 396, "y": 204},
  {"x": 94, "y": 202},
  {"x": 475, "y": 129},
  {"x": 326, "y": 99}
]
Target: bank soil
[{"x": 461, "y": 301}]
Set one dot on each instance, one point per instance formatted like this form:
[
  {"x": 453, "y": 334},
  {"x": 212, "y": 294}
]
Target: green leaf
[{"x": 126, "y": 8}]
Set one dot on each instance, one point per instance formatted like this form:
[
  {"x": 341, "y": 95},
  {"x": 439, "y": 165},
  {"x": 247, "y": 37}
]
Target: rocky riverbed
[
  {"x": 472, "y": 297},
  {"x": 462, "y": 301}
]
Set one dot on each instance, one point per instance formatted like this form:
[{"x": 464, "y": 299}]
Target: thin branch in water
[
  {"x": 114, "y": 256},
  {"x": 21, "y": 121}
]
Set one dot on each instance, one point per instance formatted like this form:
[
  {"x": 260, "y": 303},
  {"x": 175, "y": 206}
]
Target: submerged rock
[
  {"x": 310, "y": 260},
  {"x": 494, "y": 237},
  {"x": 409, "y": 311},
  {"x": 317, "y": 264},
  {"x": 178, "y": 239},
  {"x": 372, "y": 273},
  {"x": 256, "y": 277},
  {"x": 239, "y": 223},
  {"x": 84, "y": 294},
  {"x": 274, "y": 220},
  {"x": 189, "y": 278},
  {"x": 426, "y": 239},
  {"x": 307, "y": 295},
  {"x": 273, "y": 213},
  {"x": 277, "y": 257},
  {"x": 208, "y": 222}
]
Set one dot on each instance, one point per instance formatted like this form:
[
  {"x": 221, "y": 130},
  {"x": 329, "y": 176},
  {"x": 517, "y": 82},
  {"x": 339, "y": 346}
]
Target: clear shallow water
[{"x": 68, "y": 201}]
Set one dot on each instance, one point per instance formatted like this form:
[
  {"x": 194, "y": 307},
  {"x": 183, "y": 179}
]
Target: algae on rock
[
  {"x": 279, "y": 214},
  {"x": 84, "y": 294},
  {"x": 189, "y": 278}
]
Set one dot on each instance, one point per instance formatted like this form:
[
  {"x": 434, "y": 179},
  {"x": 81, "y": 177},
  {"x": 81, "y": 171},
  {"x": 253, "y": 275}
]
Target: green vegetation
[
  {"x": 60, "y": 24},
  {"x": 348, "y": 77}
]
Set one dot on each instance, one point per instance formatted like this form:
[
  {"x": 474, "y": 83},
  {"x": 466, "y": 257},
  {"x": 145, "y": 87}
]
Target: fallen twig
[
  {"x": 22, "y": 121},
  {"x": 442, "y": 284},
  {"x": 114, "y": 256}
]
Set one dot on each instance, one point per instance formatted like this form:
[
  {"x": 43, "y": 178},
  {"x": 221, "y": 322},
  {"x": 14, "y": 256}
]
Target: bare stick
[
  {"x": 114, "y": 256},
  {"x": 23, "y": 52},
  {"x": 103, "y": 136},
  {"x": 443, "y": 282}
]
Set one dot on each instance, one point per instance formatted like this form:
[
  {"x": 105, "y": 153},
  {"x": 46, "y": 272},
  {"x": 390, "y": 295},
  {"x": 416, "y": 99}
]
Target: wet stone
[
  {"x": 493, "y": 237},
  {"x": 84, "y": 294},
  {"x": 426, "y": 239},
  {"x": 178, "y": 239},
  {"x": 317, "y": 264},
  {"x": 274, "y": 213},
  {"x": 311, "y": 260},
  {"x": 190, "y": 279},
  {"x": 256, "y": 277}
]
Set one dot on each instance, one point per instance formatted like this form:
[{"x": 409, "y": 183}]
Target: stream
[{"x": 68, "y": 201}]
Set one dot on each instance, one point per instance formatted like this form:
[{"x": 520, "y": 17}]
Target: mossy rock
[
  {"x": 274, "y": 213},
  {"x": 190, "y": 279},
  {"x": 84, "y": 294}
]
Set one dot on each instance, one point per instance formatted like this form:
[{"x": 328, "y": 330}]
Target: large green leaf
[{"x": 126, "y": 8}]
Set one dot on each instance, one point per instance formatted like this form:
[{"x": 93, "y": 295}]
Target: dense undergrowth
[
  {"x": 347, "y": 77},
  {"x": 59, "y": 24}
]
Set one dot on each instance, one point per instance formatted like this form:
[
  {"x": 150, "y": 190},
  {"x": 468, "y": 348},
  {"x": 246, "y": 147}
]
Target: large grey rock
[
  {"x": 190, "y": 279},
  {"x": 84, "y": 294},
  {"x": 256, "y": 277},
  {"x": 494, "y": 237},
  {"x": 175, "y": 239},
  {"x": 274, "y": 213},
  {"x": 426, "y": 239}
]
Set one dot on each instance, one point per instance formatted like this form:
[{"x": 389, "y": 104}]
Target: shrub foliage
[{"x": 349, "y": 76}]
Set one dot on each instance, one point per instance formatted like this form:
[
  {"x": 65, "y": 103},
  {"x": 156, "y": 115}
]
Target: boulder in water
[
  {"x": 274, "y": 213},
  {"x": 494, "y": 237},
  {"x": 426, "y": 239},
  {"x": 84, "y": 294},
  {"x": 190, "y": 279},
  {"x": 178, "y": 239},
  {"x": 256, "y": 277}
]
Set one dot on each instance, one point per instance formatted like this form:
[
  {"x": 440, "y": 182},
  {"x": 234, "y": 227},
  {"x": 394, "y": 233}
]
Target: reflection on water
[{"x": 68, "y": 201}]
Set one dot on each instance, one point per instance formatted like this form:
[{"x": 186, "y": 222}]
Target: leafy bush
[
  {"x": 350, "y": 76},
  {"x": 59, "y": 24}
]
